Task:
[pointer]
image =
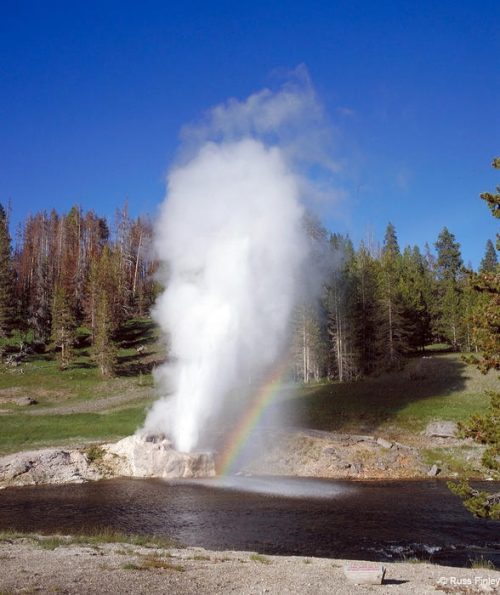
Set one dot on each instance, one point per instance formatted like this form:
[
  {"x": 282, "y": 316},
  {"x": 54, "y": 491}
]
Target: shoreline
[{"x": 293, "y": 453}]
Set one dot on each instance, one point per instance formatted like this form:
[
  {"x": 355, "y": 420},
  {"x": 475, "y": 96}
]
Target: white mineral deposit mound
[
  {"x": 134, "y": 456},
  {"x": 154, "y": 456}
]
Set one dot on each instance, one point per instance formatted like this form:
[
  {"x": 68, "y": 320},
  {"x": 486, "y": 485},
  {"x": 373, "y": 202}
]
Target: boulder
[
  {"x": 25, "y": 401},
  {"x": 433, "y": 471},
  {"x": 49, "y": 465},
  {"x": 384, "y": 443},
  {"x": 441, "y": 429}
]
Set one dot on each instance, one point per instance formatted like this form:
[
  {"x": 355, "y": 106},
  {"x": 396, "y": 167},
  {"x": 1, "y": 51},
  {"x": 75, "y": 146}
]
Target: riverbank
[
  {"x": 51, "y": 564},
  {"x": 291, "y": 452}
]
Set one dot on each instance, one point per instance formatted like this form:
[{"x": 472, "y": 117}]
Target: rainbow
[{"x": 257, "y": 405}]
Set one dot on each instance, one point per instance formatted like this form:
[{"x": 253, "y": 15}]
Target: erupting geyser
[{"x": 231, "y": 240}]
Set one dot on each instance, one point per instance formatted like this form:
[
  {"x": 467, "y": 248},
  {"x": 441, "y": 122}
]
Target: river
[{"x": 372, "y": 520}]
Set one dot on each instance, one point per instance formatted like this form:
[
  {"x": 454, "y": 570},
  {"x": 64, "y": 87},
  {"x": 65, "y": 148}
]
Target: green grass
[
  {"x": 438, "y": 347},
  {"x": 42, "y": 380},
  {"x": 153, "y": 562},
  {"x": 41, "y": 372},
  {"x": 92, "y": 538},
  {"x": 94, "y": 453},
  {"x": 23, "y": 432},
  {"x": 437, "y": 387},
  {"x": 413, "y": 560},
  {"x": 451, "y": 460},
  {"x": 482, "y": 563},
  {"x": 260, "y": 558},
  {"x": 39, "y": 375}
]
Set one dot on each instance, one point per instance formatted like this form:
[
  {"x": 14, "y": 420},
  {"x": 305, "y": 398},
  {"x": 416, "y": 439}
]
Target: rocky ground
[
  {"x": 292, "y": 452},
  {"x": 29, "y": 566},
  {"x": 312, "y": 453},
  {"x": 134, "y": 456},
  {"x": 334, "y": 455}
]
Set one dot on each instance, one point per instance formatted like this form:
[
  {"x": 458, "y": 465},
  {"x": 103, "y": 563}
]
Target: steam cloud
[{"x": 231, "y": 238}]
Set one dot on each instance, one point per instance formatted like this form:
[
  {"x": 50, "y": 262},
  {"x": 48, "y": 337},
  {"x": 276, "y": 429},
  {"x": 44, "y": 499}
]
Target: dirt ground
[{"x": 26, "y": 567}]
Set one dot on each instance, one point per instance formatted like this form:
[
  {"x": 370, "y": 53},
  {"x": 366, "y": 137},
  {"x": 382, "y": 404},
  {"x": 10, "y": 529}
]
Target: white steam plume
[{"x": 231, "y": 236}]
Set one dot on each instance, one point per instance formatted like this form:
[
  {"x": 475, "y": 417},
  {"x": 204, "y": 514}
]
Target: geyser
[{"x": 231, "y": 239}]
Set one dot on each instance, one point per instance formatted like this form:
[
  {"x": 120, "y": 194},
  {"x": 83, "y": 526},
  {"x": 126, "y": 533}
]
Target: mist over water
[{"x": 231, "y": 240}]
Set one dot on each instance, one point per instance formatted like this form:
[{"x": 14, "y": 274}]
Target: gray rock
[
  {"x": 493, "y": 499},
  {"x": 361, "y": 438},
  {"x": 384, "y": 443},
  {"x": 441, "y": 429},
  {"x": 433, "y": 471},
  {"x": 49, "y": 465},
  {"x": 24, "y": 401}
]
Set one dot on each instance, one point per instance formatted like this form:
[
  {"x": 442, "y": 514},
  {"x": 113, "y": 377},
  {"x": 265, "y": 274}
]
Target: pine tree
[
  {"x": 392, "y": 336},
  {"x": 365, "y": 310},
  {"x": 487, "y": 318},
  {"x": 415, "y": 285},
  {"x": 309, "y": 329},
  {"x": 71, "y": 274},
  {"x": 7, "y": 298},
  {"x": 493, "y": 200},
  {"x": 41, "y": 307},
  {"x": 391, "y": 245},
  {"x": 103, "y": 348},
  {"x": 450, "y": 286},
  {"x": 106, "y": 304},
  {"x": 489, "y": 263},
  {"x": 63, "y": 326},
  {"x": 449, "y": 259},
  {"x": 308, "y": 345},
  {"x": 36, "y": 265},
  {"x": 485, "y": 428},
  {"x": 340, "y": 305}
]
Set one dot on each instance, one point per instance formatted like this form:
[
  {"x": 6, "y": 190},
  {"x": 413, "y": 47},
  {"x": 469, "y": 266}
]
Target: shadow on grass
[
  {"x": 371, "y": 402},
  {"x": 133, "y": 365},
  {"x": 135, "y": 333},
  {"x": 86, "y": 365}
]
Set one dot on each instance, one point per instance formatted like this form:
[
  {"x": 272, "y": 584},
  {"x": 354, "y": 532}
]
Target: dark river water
[{"x": 369, "y": 520}]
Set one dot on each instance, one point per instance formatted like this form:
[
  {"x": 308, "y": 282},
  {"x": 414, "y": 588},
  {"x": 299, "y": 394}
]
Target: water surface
[{"x": 382, "y": 520}]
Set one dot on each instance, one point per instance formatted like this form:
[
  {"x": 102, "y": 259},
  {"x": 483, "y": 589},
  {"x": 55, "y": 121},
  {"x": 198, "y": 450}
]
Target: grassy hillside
[
  {"x": 76, "y": 406},
  {"x": 437, "y": 386}
]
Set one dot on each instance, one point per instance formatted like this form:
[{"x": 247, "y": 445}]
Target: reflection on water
[
  {"x": 286, "y": 487},
  {"x": 310, "y": 517}
]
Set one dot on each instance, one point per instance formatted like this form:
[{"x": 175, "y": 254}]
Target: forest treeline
[
  {"x": 381, "y": 304},
  {"x": 377, "y": 305},
  {"x": 69, "y": 270}
]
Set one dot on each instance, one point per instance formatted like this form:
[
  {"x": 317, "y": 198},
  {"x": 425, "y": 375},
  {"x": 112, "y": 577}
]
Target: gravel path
[{"x": 123, "y": 568}]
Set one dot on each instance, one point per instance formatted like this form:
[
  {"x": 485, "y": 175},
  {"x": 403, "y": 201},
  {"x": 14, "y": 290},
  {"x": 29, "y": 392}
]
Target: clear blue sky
[{"x": 93, "y": 95}]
